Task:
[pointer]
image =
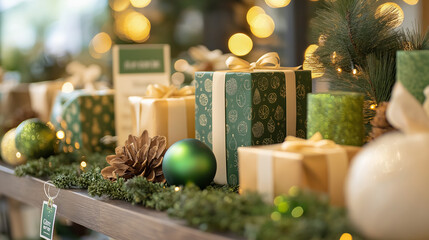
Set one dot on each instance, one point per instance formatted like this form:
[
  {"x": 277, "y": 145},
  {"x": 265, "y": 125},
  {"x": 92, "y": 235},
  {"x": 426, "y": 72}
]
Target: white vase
[{"x": 387, "y": 191}]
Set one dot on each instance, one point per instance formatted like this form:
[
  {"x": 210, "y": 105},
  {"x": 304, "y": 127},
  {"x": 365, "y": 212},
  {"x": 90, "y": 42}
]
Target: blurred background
[{"x": 44, "y": 40}]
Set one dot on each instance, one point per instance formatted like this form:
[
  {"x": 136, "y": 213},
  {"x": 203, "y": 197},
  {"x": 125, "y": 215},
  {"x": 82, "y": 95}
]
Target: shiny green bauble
[
  {"x": 189, "y": 161},
  {"x": 35, "y": 139},
  {"x": 9, "y": 153}
]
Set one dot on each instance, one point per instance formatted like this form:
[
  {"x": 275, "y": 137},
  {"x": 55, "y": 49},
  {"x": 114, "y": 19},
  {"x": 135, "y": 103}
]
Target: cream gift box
[
  {"x": 272, "y": 171},
  {"x": 165, "y": 111}
]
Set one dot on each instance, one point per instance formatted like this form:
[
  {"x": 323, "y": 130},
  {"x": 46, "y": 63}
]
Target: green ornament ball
[
  {"x": 9, "y": 153},
  {"x": 35, "y": 139},
  {"x": 189, "y": 161}
]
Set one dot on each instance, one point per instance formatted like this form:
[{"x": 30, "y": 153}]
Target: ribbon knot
[{"x": 269, "y": 60}]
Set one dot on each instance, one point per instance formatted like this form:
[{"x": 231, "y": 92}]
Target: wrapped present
[
  {"x": 317, "y": 164},
  {"x": 12, "y": 97},
  {"x": 43, "y": 95},
  {"x": 85, "y": 118},
  {"x": 165, "y": 111},
  {"x": 253, "y": 104}
]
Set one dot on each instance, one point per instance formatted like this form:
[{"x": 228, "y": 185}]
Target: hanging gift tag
[
  {"x": 47, "y": 220},
  {"x": 49, "y": 210}
]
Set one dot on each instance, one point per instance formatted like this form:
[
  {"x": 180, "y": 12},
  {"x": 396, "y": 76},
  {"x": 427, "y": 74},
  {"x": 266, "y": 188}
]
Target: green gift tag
[{"x": 47, "y": 220}]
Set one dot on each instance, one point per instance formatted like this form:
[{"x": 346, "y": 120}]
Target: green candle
[
  {"x": 337, "y": 116},
  {"x": 413, "y": 71}
]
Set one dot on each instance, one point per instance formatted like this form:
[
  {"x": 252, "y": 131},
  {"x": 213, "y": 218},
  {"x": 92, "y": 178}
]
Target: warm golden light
[
  {"x": 101, "y": 42},
  {"x": 311, "y": 63},
  {"x": 60, "y": 134},
  {"x": 240, "y": 44},
  {"x": 262, "y": 26},
  {"x": 177, "y": 189},
  {"x": 346, "y": 236},
  {"x": 83, "y": 164},
  {"x": 253, "y": 13},
  {"x": 119, "y": 5},
  {"x": 334, "y": 57},
  {"x": 181, "y": 65},
  {"x": 18, "y": 155},
  {"x": 140, "y": 3},
  {"x": 67, "y": 87},
  {"x": 339, "y": 70},
  {"x": 354, "y": 71},
  {"x": 373, "y": 106},
  {"x": 411, "y": 2},
  {"x": 391, "y": 8},
  {"x": 277, "y": 3},
  {"x": 137, "y": 27},
  {"x": 297, "y": 212},
  {"x": 76, "y": 145}
]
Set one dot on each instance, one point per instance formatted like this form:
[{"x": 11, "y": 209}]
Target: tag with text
[{"x": 47, "y": 220}]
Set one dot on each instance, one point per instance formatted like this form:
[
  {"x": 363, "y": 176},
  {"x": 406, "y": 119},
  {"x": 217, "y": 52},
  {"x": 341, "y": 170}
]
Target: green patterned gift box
[
  {"x": 235, "y": 109},
  {"x": 84, "y": 118}
]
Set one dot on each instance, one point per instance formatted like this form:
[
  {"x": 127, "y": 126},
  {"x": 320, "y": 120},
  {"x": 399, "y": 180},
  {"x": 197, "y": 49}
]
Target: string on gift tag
[{"x": 48, "y": 193}]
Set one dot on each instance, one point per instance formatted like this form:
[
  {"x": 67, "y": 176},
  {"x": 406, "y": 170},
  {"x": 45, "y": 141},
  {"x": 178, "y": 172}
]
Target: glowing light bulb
[
  {"x": 101, "y": 42},
  {"x": 18, "y": 155},
  {"x": 137, "y": 27},
  {"x": 373, "y": 106},
  {"x": 346, "y": 236},
  {"x": 83, "y": 164},
  {"x": 60, "y": 134},
  {"x": 262, "y": 26},
  {"x": 391, "y": 8},
  {"x": 277, "y": 3},
  {"x": 411, "y": 2},
  {"x": 253, "y": 13},
  {"x": 140, "y": 3},
  {"x": 339, "y": 70},
  {"x": 354, "y": 71},
  {"x": 240, "y": 44},
  {"x": 177, "y": 189},
  {"x": 67, "y": 87}
]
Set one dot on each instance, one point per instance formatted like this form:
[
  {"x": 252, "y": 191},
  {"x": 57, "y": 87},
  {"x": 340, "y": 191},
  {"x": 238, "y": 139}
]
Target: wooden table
[{"x": 117, "y": 219}]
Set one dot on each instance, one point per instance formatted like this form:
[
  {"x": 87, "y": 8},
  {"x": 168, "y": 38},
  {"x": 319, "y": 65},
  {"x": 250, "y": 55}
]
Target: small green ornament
[
  {"x": 189, "y": 161},
  {"x": 35, "y": 139}
]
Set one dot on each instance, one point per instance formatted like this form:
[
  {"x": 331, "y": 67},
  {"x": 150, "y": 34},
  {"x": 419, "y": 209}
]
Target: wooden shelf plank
[{"x": 117, "y": 219}]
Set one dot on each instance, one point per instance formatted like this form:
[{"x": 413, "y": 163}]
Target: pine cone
[
  {"x": 141, "y": 156},
  {"x": 380, "y": 124}
]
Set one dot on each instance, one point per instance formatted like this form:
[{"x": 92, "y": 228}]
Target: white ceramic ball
[{"x": 388, "y": 188}]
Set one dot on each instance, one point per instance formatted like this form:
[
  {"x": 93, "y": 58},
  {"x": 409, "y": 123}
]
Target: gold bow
[
  {"x": 162, "y": 91},
  {"x": 269, "y": 60},
  {"x": 294, "y": 144}
]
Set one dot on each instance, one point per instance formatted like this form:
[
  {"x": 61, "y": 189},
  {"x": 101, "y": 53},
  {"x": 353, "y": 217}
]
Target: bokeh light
[
  {"x": 240, "y": 44},
  {"x": 277, "y": 3},
  {"x": 276, "y": 216},
  {"x": 391, "y": 8},
  {"x": 83, "y": 164},
  {"x": 181, "y": 65},
  {"x": 297, "y": 212},
  {"x": 137, "y": 27},
  {"x": 262, "y": 26},
  {"x": 101, "y": 42},
  {"x": 311, "y": 63},
  {"x": 411, "y": 2},
  {"x": 119, "y": 5},
  {"x": 253, "y": 13},
  {"x": 67, "y": 87},
  {"x": 140, "y": 3},
  {"x": 60, "y": 134},
  {"x": 346, "y": 236}
]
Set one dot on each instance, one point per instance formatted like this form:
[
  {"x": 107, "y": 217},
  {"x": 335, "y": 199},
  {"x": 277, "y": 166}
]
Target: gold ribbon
[
  {"x": 336, "y": 159},
  {"x": 162, "y": 91},
  {"x": 268, "y": 61}
]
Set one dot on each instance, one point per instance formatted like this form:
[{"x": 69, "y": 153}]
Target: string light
[
  {"x": 176, "y": 189},
  {"x": 334, "y": 57},
  {"x": 18, "y": 155},
  {"x": 67, "y": 87},
  {"x": 373, "y": 106},
  {"x": 346, "y": 236},
  {"x": 240, "y": 44},
  {"x": 60, "y": 134},
  {"x": 83, "y": 164},
  {"x": 277, "y": 3},
  {"x": 339, "y": 70},
  {"x": 354, "y": 71},
  {"x": 76, "y": 145}
]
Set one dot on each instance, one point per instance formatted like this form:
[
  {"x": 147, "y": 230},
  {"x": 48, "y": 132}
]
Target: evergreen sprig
[
  {"x": 357, "y": 47},
  {"x": 216, "y": 208}
]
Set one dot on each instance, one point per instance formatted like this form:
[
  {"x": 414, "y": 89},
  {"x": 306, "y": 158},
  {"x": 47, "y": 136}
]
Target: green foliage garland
[{"x": 300, "y": 215}]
